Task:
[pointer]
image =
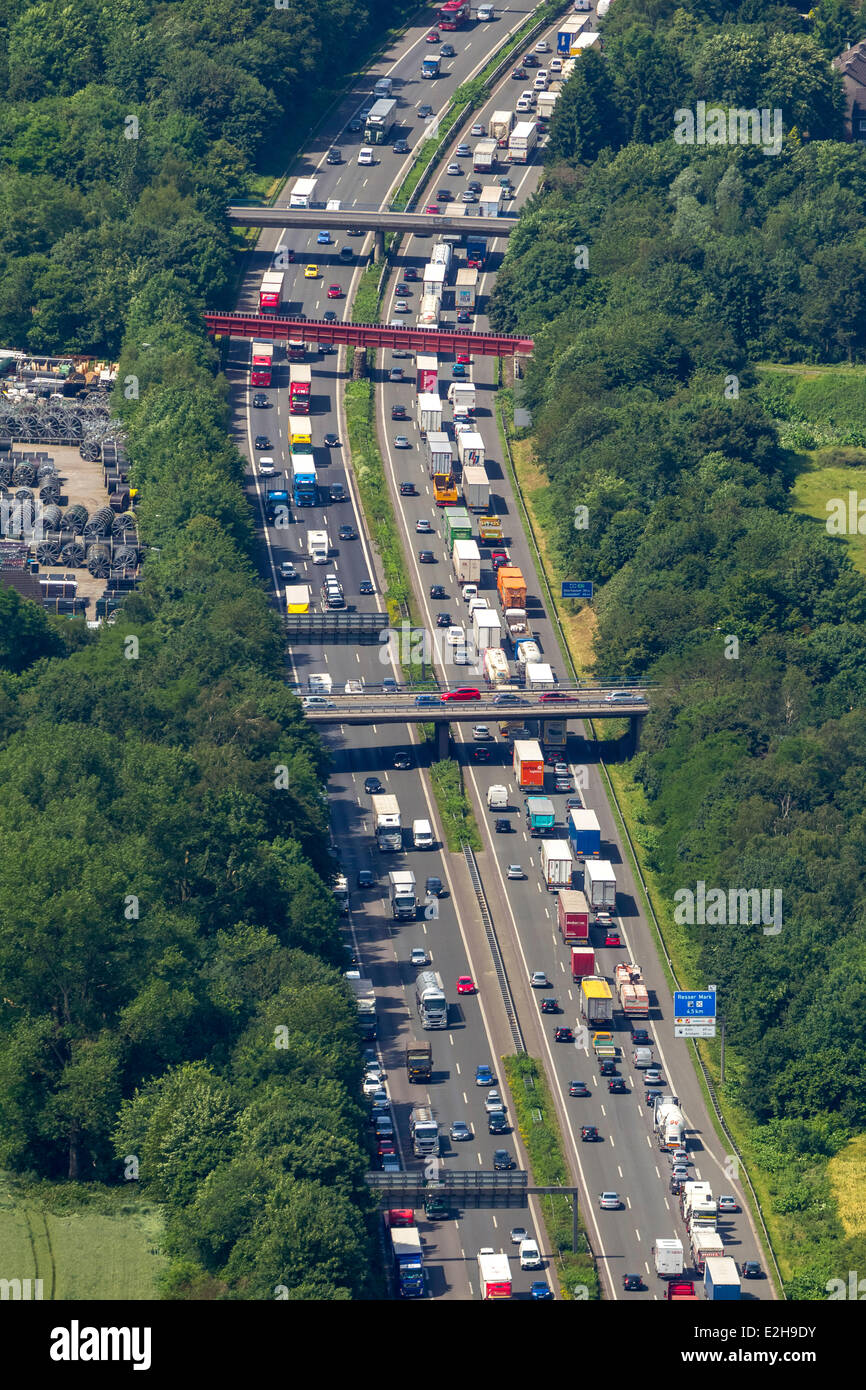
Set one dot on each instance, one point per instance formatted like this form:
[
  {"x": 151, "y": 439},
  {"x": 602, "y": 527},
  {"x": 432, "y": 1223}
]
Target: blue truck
[
  {"x": 408, "y": 1261},
  {"x": 540, "y": 815},
  {"x": 430, "y": 66},
  {"x": 304, "y": 485},
  {"x": 721, "y": 1279},
  {"x": 584, "y": 833}
]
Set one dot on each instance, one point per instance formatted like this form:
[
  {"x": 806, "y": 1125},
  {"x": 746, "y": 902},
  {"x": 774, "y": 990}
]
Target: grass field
[
  {"x": 847, "y": 1174},
  {"x": 822, "y": 482},
  {"x": 82, "y": 1242}
]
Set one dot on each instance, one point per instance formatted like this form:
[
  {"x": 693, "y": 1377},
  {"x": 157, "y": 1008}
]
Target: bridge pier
[
  {"x": 635, "y": 725},
  {"x": 378, "y": 246},
  {"x": 443, "y": 741}
]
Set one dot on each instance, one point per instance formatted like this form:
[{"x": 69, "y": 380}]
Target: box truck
[
  {"x": 303, "y": 193},
  {"x": 470, "y": 449},
  {"x": 466, "y": 559},
  {"x": 668, "y": 1257},
  {"x": 501, "y": 123},
  {"x": 494, "y": 1273},
  {"x": 584, "y": 832},
  {"x": 721, "y": 1280},
  {"x": 476, "y": 487},
  {"x": 540, "y": 816},
  {"x": 486, "y": 629},
  {"x": 600, "y": 885},
  {"x": 595, "y": 1001},
  {"x": 572, "y": 911},
  {"x": 466, "y": 288},
  {"x": 522, "y": 141},
  {"x": 556, "y": 864},
  {"x": 539, "y": 676},
  {"x": 438, "y": 447},
  {"x": 386, "y": 822},
  {"x": 528, "y": 763},
  {"x": 427, "y": 373},
  {"x": 582, "y": 962},
  {"x": 430, "y": 414}
]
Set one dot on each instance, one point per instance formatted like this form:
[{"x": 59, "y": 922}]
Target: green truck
[
  {"x": 458, "y": 524},
  {"x": 604, "y": 1046},
  {"x": 419, "y": 1061}
]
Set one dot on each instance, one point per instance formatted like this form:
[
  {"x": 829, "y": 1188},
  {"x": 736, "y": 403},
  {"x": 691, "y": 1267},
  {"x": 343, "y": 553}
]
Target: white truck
[
  {"x": 441, "y": 254},
  {"x": 486, "y": 629},
  {"x": 422, "y": 834},
  {"x": 501, "y": 123},
  {"x": 706, "y": 1245},
  {"x": 496, "y": 669},
  {"x": 317, "y": 547},
  {"x": 600, "y": 885},
  {"x": 434, "y": 281},
  {"x": 470, "y": 449},
  {"x": 546, "y": 103},
  {"x": 476, "y": 485},
  {"x": 424, "y": 1129},
  {"x": 670, "y": 1125},
  {"x": 466, "y": 559},
  {"x": 430, "y": 999},
  {"x": 384, "y": 87},
  {"x": 365, "y": 1000},
  {"x": 522, "y": 141},
  {"x": 699, "y": 1207},
  {"x": 539, "y": 676},
  {"x": 386, "y": 822},
  {"x": 401, "y": 892},
  {"x": 556, "y": 864},
  {"x": 516, "y": 623},
  {"x": 490, "y": 201},
  {"x": 429, "y": 413},
  {"x": 494, "y": 1273},
  {"x": 484, "y": 156},
  {"x": 428, "y": 311},
  {"x": 303, "y": 193},
  {"x": 439, "y": 456},
  {"x": 461, "y": 395},
  {"x": 497, "y": 798},
  {"x": 668, "y": 1257},
  {"x": 466, "y": 287},
  {"x": 528, "y": 652}
]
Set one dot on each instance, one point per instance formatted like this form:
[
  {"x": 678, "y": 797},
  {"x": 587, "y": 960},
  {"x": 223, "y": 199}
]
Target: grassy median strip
[
  {"x": 458, "y": 821},
  {"x": 539, "y": 1129}
]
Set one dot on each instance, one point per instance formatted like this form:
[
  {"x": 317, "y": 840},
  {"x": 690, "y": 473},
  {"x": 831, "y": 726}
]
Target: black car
[
  {"x": 550, "y": 1006},
  {"x": 410, "y": 273},
  {"x": 443, "y": 619},
  {"x": 616, "y": 1086},
  {"x": 632, "y": 1282},
  {"x": 329, "y": 316},
  {"x": 651, "y": 1096},
  {"x": 338, "y": 492},
  {"x": 578, "y": 1088},
  {"x": 408, "y": 490},
  {"x": 565, "y": 1035},
  {"x": 444, "y": 196},
  {"x": 426, "y": 557},
  {"x": 474, "y": 186},
  {"x": 588, "y": 1134},
  {"x": 347, "y": 533},
  {"x": 332, "y": 441},
  {"x": 326, "y": 349},
  {"x": 607, "y": 1069},
  {"x": 641, "y": 1037},
  {"x": 398, "y": 412},
  {"x": 260, "y": 402},
  {"x": 482, "y": 755},
  {"x": 366, "y": 878},
  {"x": 447, "y": 51},
  {"x": 434, "y": 887},
  {"x": 401, "y": 146},
  {"x": 676, "y": 1186},
  {"x": 497, "y": 1123},
  {"x": 262, "y": 441},
  {"x": 373, "y": 786},
  {"x": 366, "y": 586},
  {"x": 502, "y": 826},
  {"x": 507, "y": 699},
  {"x": 573, "y": 803},
  {"x": 436, "y": 590},
  {"x": 750, "y": 1269},
  {"x": 464, "y": 317},
  {"x": 402, "y": 760},
  {"x": 502, "y": 1160},
  {"x": 403, "y": 289}
]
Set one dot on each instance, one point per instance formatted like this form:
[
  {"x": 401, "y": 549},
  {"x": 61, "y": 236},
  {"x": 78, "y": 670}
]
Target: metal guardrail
[
  {"x": 566, "y": 651},
  {"x": 496, "y": 953}
]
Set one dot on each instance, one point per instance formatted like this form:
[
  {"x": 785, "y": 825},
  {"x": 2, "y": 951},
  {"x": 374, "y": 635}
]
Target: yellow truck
[{"x": 490, "y": 528}]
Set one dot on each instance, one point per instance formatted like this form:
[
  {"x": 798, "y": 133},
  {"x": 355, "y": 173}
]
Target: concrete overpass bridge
[
  {"x": 270, "y": 328},
  {"x": 373, "y": 220}
]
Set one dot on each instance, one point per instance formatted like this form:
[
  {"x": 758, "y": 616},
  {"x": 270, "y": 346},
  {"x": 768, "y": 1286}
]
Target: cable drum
[
  {"x": 98, "y": 561},
  {"x": 125, "y": 557},
  {"x": 51, "y": 517},
  {"x": 48, "y": 552},
  {"x": 100, "y": 523},
  {"x": 75, "y": 518},
  {"x": 125, "y": 525},
  {"x": 25, "y": 474},
  {"x": 73, "y": 554}
]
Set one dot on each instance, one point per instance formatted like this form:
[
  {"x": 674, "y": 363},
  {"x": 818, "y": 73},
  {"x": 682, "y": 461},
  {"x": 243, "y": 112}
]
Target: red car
[
  {"x": 465, "y": 985},
  {"x": 498, "y": 558},
  {"x": 385, "y": 1146},
  {"x": 463, "y": 692},
  {"x": 612, "y": 939},
  {"x": 463, "y": 359},
  {"x": 334, "y": 292},
  {"x": 555, "y": 695},
  {"x": 433, "y": 208},
  {"x": 433, "y": 36}
]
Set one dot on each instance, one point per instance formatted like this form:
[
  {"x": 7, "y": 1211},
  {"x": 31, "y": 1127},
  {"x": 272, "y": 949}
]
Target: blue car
[
  {"x": 458, "y": 369},
  {"x": 539, "y": 1288},
  {"x": 323, "y": 239},
  {"x": 427, "y": 700},
  {"x": 484, "y": 1076}
]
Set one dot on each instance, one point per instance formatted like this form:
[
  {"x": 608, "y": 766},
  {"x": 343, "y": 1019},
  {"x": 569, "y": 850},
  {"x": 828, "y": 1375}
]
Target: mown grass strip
[
  {"x": 539, "y": 1129},
  {"x": 458, "y": 822}
]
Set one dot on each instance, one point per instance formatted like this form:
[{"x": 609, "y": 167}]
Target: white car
[
  {"x": 481, "y": 731},
  {"x": 538, "y": 979},
  {"x": 317, "y": 702},
  {"x": 365, "y": 155},
  {"x": 514, "y": 871},
  {"x": 530, "y": 1255},
  {"x": 609, "y": 1201},
  {"x": 493, "y": 1101},
  {"x": 419, "y": 956},
  {"x": 354, "y": 687},
  {"x": 454, "y": 636},
  {"x": 267, "y": 468},
  {"x": 542, "y": 46},
  {"x": 372, "y": 1084},
  {"x": 375, "y": 1069},
  {"x": 556, "y": 65},
  {"x": 540, "y": 83},
  {"x": 529, "y": 96}
]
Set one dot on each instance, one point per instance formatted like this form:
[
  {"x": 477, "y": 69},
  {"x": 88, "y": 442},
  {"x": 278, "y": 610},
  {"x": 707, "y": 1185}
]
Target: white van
[
  {"x": 476, "y": 603},
  {"x": 422, "y": 834},
  {"x": 470, "y": 591},
  {"x": 524, "y": 106},
  {"x": 540, "y": 83},
  {"x": 365, "y": 156},
  {"x": 486, "y": 12},
  {"x": 530, "y": 1256}
]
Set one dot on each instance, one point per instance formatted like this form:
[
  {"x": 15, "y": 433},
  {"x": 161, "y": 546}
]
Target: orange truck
[
  {"x": 511, "y": 586},
  {"x": 528, "y": 763}
]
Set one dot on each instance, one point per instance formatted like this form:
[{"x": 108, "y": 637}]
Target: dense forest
[
  {"x": 649, "y": 410},
  {"x": 172, "y": 1005}
]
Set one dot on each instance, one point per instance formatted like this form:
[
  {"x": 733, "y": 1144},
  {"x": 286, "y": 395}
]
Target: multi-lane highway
[{"x": 627, "y": 1159}]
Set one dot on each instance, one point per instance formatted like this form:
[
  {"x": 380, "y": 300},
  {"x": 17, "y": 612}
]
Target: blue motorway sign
[
  {"x": 577, "y": 588},
  {"x": 694, "y": 1003}
]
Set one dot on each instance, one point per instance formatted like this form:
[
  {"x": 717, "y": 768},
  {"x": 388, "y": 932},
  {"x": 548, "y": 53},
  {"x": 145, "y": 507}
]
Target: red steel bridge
[{"x": 267, "y": 328}]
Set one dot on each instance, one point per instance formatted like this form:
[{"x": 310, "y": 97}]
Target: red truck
[
  {"x": 681, "y": 1292},
  {"x": 271, "y": 292},
  {"x": 263, "y": 356},
  {"x": 582, "y": 962},
  {"x": 454, "y": 15},
  {"x": 572, "y": 911},
  {"x": 300, "y": 384}
]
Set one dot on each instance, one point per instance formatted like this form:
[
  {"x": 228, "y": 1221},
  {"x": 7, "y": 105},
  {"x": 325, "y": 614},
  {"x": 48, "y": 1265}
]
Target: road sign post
[
  {"x": 577, "y": 588},
  {"x": 695, "y": 1013}
]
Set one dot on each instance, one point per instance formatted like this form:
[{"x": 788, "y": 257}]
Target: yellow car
[{"x": 311, "y": 272}]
